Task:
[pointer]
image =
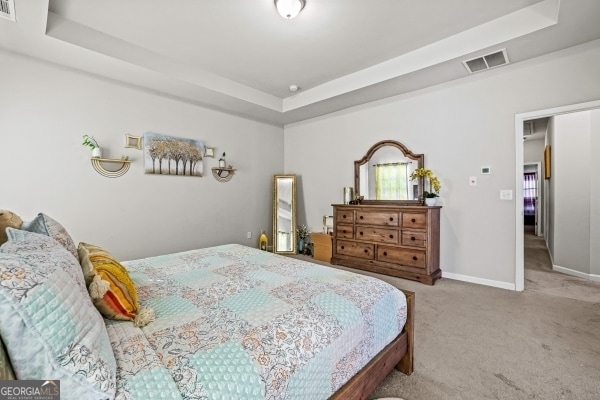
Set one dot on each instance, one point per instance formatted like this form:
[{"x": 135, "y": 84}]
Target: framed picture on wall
[
  {"x": 547, "y": 162},
  {"x": 170, "y": 155},
  {"x": 134, "y": 142}
]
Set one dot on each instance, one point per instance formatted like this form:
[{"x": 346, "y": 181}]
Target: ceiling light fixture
[{"x": 289, "y": 9}]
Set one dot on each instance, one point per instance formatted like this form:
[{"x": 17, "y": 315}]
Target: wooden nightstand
[{"x": 321, "y": 246}]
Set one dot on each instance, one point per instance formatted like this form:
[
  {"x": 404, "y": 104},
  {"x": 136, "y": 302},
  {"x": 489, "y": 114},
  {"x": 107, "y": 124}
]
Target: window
[
  {"x": 529, "y": 192},
  {"x": 391, "y": 181}
]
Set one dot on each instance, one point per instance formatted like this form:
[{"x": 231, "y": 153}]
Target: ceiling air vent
[
  {"x": 528, "y": 128},
  {"x": 483, "y": 63},
  {"x": 7, "y": 9}
]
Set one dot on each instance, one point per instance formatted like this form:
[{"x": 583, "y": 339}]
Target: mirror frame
[
  {"x": 420, "y": 158},
  {"x": 276, "y": 179}
]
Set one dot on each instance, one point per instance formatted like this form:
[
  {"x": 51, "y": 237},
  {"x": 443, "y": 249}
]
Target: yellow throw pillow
[{"x": 110, "y": 286}]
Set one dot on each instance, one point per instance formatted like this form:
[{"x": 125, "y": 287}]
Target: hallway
[{"x": 539, "y": 276}]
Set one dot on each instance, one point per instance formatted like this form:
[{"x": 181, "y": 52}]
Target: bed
[{"x": 231, "y": 322}]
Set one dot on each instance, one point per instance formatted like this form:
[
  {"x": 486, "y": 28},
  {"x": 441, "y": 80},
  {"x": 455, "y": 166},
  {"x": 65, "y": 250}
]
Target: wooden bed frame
[{"x": 398, "y": 353}]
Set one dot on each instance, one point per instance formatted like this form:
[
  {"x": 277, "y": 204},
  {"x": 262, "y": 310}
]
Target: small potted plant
[
  {"x": 90, "y": 142},
  {"x": 434, "y": 184},
  {"x": 303, "y": 233},
  {"x": 222, "y": 162}
]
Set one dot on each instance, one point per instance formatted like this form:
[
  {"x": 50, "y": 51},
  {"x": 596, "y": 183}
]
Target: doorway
[{"x": 519, "y": 209}]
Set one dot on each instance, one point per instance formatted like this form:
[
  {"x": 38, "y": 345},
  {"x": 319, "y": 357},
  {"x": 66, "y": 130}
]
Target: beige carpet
[{"x": 477, "y": 342}]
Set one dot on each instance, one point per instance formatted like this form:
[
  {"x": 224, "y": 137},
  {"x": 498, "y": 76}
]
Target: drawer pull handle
[
  {"x": 342, "y": 247},
  {"x": 391, "y": 218},
  {"x": 415, "y": 258},
  {"x": 411, "y": 238},
  {"x": 344, "y": 216},
  {"x": 344, "y": 231},
  {"x": 385, "y": 253},
  {"x": 366, "y": 251},
  {"x": 360, "y": 233},
  {"x": 391, "y": 236},
  {"x": 361, "y": 217},
  {"x": 413, "y": 220}
]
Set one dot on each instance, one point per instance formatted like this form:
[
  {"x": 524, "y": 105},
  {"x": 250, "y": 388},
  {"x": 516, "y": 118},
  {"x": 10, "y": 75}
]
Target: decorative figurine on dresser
[{"x": 389, "y": 231}]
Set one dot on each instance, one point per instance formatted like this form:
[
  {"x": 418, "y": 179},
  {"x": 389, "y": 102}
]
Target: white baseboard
[
  {"x": 479, "y": 281},
  {"x": 579, "y": 274}
]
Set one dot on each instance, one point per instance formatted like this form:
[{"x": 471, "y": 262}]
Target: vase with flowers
[
  {"x": 303, "y": 233},
  {"x": 434, "y": 186}
]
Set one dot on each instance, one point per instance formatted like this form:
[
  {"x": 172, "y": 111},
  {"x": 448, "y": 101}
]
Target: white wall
[
  {"x": 533, "y": 151},
  {"x": 595, "y": 196},
  {"x": 460, "y": 127},
  {"x": 45, "y": 110},
  {"x": 571, "y": 180},
  {"x": 549, "y": 194}
]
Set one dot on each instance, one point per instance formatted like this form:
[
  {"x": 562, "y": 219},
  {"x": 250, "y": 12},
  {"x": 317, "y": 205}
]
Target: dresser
[{"x": 401, "y": 241}]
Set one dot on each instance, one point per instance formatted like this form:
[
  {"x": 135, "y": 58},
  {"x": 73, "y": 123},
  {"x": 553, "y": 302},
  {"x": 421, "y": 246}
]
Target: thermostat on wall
[{"x": 486, "y": 170}]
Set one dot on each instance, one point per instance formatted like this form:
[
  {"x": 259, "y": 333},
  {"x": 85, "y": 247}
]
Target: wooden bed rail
[{"x": 406, "y": 363}]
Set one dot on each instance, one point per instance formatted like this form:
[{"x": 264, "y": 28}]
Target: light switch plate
[
  {"x": 486, "y": 170},
  {"x": 506, "y": 194},
  {"x": 472, "y": 181}
]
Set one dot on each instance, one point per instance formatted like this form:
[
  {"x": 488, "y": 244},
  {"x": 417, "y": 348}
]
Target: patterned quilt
[{"x": 235, "y": 322}]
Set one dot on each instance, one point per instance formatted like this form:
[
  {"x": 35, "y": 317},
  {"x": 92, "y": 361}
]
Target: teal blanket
[{"x": 235, "y": 322}]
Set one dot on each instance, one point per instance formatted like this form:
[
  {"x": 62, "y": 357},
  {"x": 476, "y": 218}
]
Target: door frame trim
[{"x": 519, "y": 235}]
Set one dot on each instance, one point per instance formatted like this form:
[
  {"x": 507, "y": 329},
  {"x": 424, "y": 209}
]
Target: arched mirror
[
  {"x": 383, "y": 174},
  {"x": 284, "y": 214}
]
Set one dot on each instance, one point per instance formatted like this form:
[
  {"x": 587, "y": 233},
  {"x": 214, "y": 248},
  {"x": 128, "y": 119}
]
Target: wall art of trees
[{"x": 168, "y": 155}]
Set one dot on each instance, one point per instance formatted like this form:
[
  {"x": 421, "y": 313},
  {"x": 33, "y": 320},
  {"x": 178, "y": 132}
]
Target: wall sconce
[
  {"x": 98, "y": 162},
  {"x": 223, "y": 174},
  {"x": 289, "y": 9}
]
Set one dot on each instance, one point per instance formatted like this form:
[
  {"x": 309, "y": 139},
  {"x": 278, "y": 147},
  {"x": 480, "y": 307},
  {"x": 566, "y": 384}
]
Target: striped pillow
[{"x": 110, "y": 287}]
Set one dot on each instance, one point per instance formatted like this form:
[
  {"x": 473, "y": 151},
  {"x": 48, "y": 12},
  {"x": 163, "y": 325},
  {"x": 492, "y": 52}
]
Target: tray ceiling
[{"x": 241, "y": 56}]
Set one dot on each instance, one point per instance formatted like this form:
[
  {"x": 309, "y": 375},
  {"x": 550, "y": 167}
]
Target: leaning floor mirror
[{"x": 284, "y": 214}]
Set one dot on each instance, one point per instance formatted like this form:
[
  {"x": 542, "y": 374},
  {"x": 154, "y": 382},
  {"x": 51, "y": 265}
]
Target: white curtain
[{"x": 391, "y": 181}]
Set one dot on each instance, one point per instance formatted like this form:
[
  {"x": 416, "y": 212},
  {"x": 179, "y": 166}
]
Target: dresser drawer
[
  {"x": 355, "y": 249},
  {"x": 396, "y": 240},
  {"x": 344, "y": 231},
  {"x": 414, "y": 220},
  {"x": 417, "y": 239},
  {"x": 382, "y": 218},
  {"x": 380, "y": 235},
  {"x": 344, "y": 216},
  {"x": 401, "y": 255}
]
